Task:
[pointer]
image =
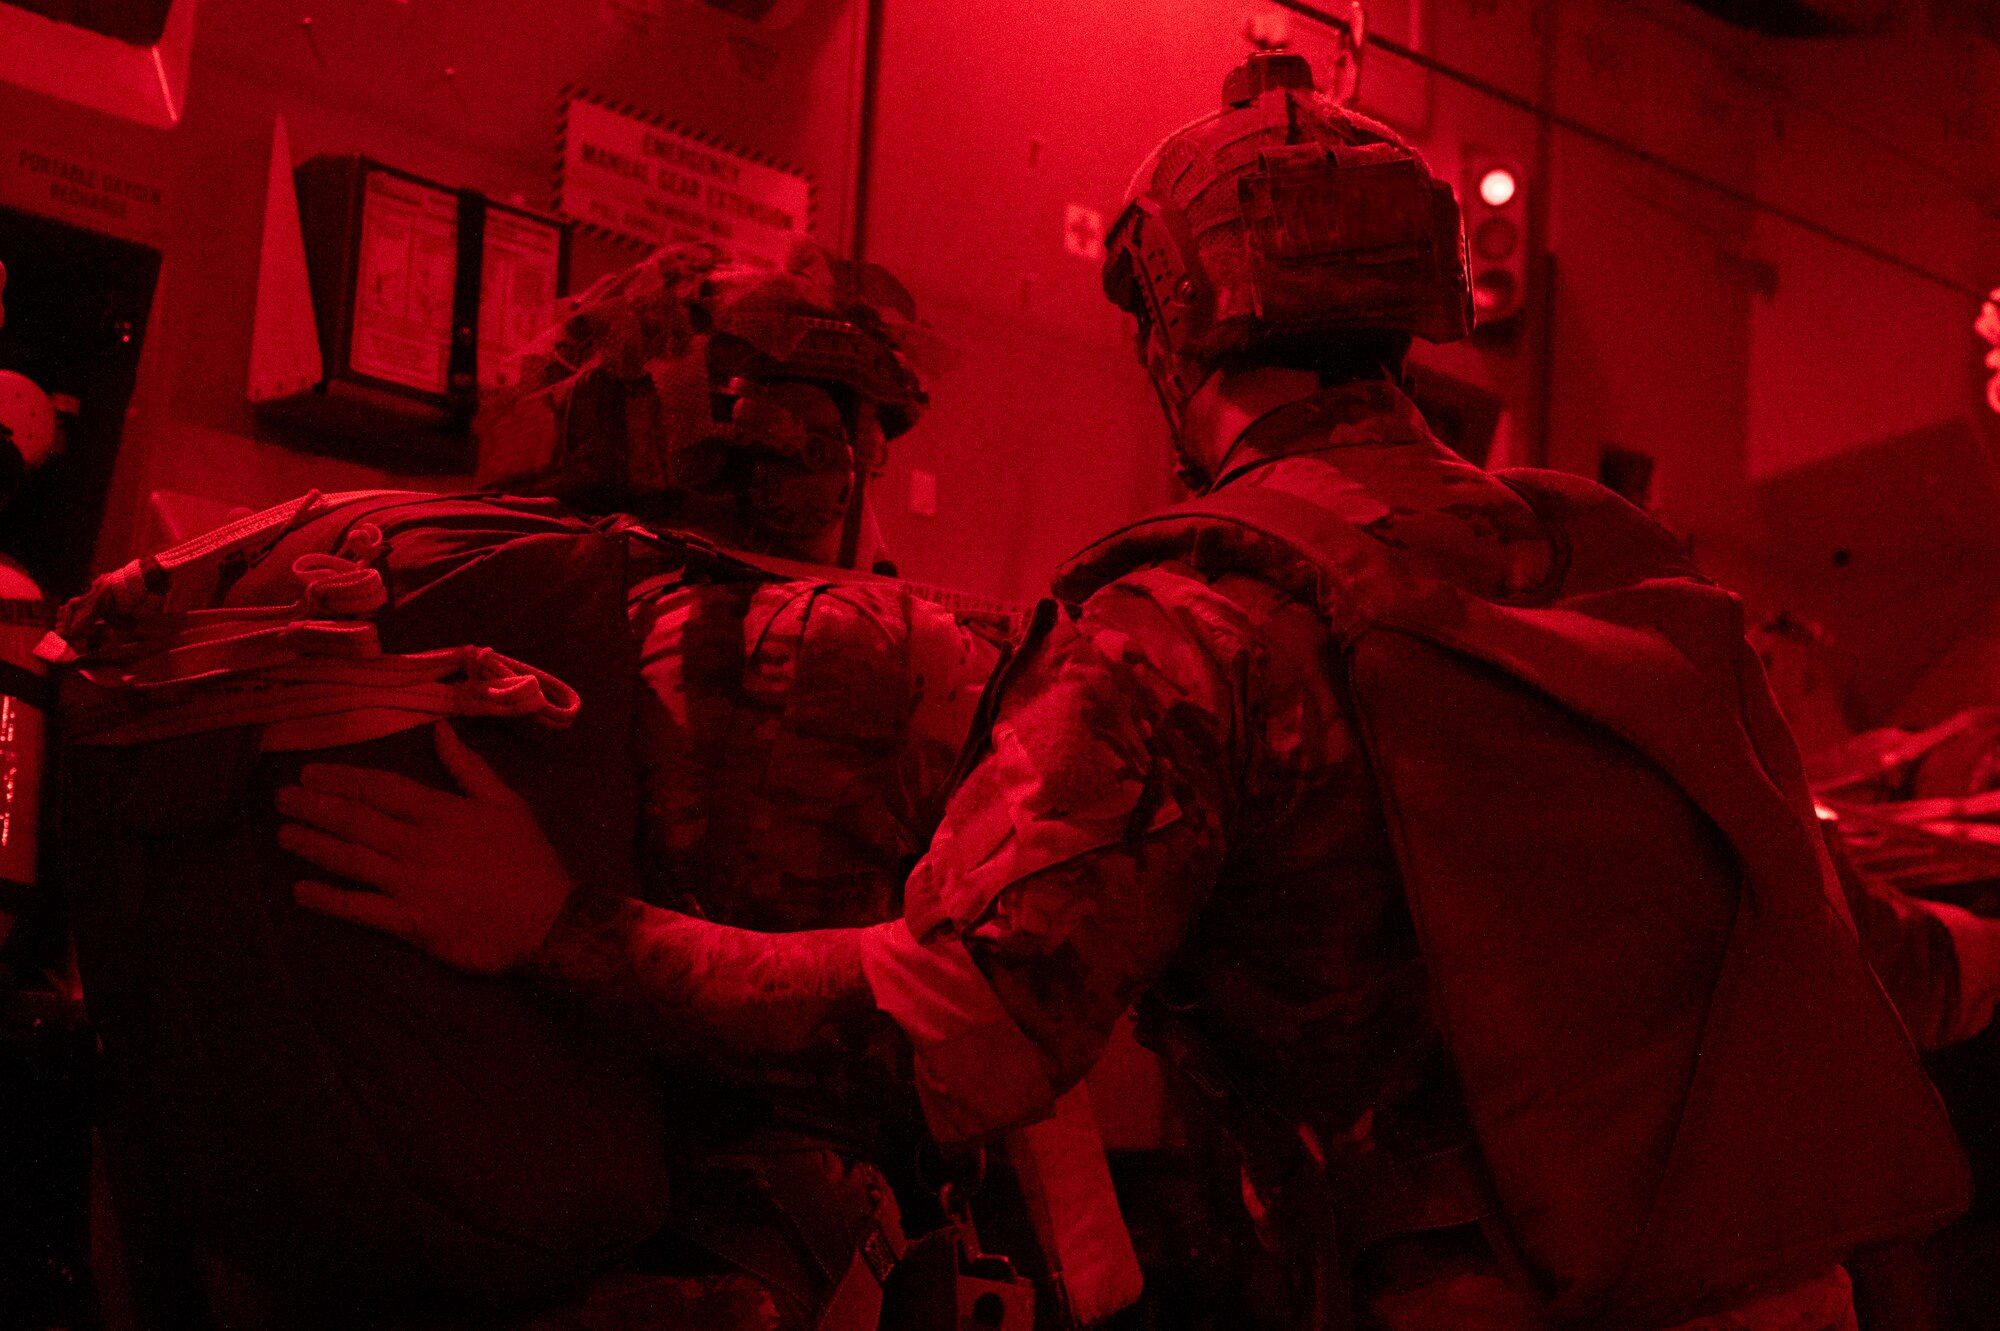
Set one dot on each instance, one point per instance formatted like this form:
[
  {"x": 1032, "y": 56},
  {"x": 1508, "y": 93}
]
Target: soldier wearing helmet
[
  {"x": 1439, "y": 825},
  {"x": 752, "y": 406},
  {"x": 1282, "y": 230},
  {"x": 794, "y": 724},
  {"x": 796, "y": 721}
]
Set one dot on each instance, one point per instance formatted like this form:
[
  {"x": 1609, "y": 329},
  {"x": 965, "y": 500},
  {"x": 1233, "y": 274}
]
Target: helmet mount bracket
[{"x": 1165, "y": 283}]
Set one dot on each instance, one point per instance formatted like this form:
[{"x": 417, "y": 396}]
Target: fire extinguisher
[
  {"x": 24, "y": 618},
  {"x": 27, "y": 438}
]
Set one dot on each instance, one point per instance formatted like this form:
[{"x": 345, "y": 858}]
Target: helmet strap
[
  {"x": 850, "y": 527},
  {"x": 1169, "y": 375}
]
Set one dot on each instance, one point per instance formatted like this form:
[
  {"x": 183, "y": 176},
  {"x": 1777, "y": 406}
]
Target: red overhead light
[
  {"x": 1495, "y": 195},
  {"x": 1497, "y": 187}
]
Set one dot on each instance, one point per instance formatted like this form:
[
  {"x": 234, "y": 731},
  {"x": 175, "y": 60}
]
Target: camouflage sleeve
[
  {"x": 949, "y": 665},
  {"x": 1939, "y": 964},
  {"x": 795, "y": 744},
  {"x": 1074, "y": 858}
]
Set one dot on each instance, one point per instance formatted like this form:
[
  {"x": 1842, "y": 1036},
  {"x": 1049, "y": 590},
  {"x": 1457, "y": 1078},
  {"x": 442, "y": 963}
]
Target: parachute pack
[
  {"x": 322, "y": 1108},
  {"x": 1681, "y": 1076}
]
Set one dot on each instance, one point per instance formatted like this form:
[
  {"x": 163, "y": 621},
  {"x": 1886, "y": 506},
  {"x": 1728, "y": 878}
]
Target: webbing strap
[
  {"x": 183, "y": 578},
  {"x": 1066, "y": 1182},
  {"x": 795, "y": 570},
  {"x": 322, "y": 702},
  {"x": 152, "y": 661},
  {"x": 124, "y": 589},
  {"x": 238, "y": 647},
  {"x": 230, "y": 537}
]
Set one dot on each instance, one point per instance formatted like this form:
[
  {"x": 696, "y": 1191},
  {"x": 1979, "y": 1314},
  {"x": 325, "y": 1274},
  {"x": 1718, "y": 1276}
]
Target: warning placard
[
  {"x": 636, "y": 178},
  {"x": 517, "y": 285},
  {"x": 409, "y": 267}
]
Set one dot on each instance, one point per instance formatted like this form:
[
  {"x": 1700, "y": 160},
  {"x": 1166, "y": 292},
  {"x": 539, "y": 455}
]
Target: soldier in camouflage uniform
[
  {"x": 796, "y": 723},
  {"x": 1439, "y": 825},
  {"x": 799, "y": 719}
]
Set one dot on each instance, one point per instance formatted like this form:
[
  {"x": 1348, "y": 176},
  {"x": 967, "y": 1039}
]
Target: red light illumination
[
  {"x": 1496, "y": 187},
  {"x": 1493, "y": 291},
  {"x": 1495, "y": 238}
]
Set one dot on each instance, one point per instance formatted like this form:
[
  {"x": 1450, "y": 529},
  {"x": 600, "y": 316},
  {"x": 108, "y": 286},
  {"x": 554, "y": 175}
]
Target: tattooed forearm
[{"x": 734, "y": 998}]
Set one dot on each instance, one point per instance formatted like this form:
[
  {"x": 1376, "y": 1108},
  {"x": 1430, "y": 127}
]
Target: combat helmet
[
  {"x": 1281, "y": 220},
  {"x": 747, "y": 402}
]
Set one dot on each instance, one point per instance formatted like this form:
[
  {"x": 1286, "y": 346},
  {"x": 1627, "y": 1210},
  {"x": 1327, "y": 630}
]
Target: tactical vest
[
  {"x": 1680, "y": 1074},
  {"x": 796, "y": 725},
  {"x": 794, "y": 729}
]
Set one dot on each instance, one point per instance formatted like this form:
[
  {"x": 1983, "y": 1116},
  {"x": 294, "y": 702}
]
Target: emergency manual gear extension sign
[{"x": 637, "y": 178}]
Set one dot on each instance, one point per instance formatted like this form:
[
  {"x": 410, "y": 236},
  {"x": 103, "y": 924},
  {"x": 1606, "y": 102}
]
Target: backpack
[
  {"x": 1679, "y": 1071},
  {"x": 322, "y": 1107}
]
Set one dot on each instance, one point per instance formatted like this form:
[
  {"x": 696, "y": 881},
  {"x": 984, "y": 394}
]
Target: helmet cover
[
  {"x": 1284, "y": 218},
  {"x": 687, "y": 376}
]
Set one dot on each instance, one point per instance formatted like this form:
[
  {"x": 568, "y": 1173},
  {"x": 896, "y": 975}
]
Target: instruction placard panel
[
  {"x": 408, "y": 271},
  {"x": 517, "y": 284},
  {"x": 629, "y": 176}
]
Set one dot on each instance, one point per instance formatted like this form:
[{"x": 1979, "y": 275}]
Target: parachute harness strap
[{"x": 147, "y": 664}]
